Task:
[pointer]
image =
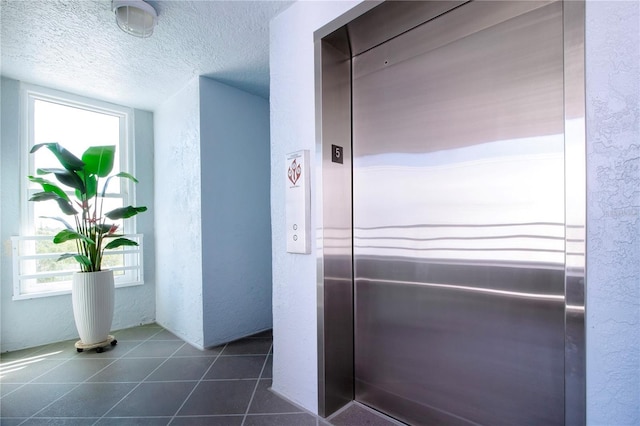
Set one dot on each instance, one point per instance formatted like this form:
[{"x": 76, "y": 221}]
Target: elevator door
[{"x": 458, "y": 215}]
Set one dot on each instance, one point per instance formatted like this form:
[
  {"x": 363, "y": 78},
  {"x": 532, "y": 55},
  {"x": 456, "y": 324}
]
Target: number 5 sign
[{"x": 336, "y": 154}]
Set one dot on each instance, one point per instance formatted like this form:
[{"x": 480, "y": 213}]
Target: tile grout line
[
  {"x": 144, "y": 378},
  {"x": 74, "y": 385},
  {"x": 21, "y": 385},
  {"x": 197, "y": 384},
  {"x": 75, "y": 356},
  {"x": 255, "y": 388}
]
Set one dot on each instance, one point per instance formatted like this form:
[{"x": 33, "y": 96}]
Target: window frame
[{"x": 29, "y": 94}]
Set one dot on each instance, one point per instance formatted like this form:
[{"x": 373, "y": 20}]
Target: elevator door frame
[{"x": 335, "y": 45}]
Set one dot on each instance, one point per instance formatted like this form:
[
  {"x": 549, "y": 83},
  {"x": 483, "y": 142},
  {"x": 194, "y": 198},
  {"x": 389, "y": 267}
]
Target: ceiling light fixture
[{"x": 135, "y": 17}]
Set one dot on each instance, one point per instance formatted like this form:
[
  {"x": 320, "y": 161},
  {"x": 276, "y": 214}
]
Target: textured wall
[
  {"x": 613, "y": 212},
  {"x": 177, "y": 215},
  {"x": 27, "y": 323},
  {"x": 292, "y": 100},
  {"x": 236, "y": 226}
]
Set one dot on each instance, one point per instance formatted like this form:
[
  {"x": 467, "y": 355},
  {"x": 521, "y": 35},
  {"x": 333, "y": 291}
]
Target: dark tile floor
[{"x": 151, "y": 377}]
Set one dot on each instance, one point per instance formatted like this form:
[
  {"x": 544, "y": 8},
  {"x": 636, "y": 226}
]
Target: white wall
[
  {"x": 33, "y": 322},
  {"x": 613, "y": 258},
  {"x": 178, "y": 216},
  {"x": 213, "y": 244},
  {"x": 613, "y": 212},
  {"x": 236, "y": 226}
]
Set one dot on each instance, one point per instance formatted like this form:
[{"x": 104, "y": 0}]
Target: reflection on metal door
[{"x": 458, "y": 192}]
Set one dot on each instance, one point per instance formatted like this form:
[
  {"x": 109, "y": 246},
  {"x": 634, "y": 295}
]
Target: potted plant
[{"x": 94, "y": 232}]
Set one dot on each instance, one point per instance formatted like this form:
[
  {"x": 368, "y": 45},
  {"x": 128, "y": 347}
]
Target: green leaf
[
  {"x": 59, "y": 219},
  {"x": 127, "y": 176},
  {"x": 81, "y": 258},
  {"x": 65, "y": 157},
  {"x": 65, "y": 205},
  {"x": 120, "y": 175},
  {"x": 98, "y": 160},
  {"x": 65, "y": 177},
  {"x": 103, "y": 228},
  {"x": 68, "y": 235},
  {"x": 119, "y": 242},
  {"x": 124, "y": 212},
  {"x": 48, "y": 186},
  {"x": 44, "y": 196},
  {"x": 91, "y": 186}
]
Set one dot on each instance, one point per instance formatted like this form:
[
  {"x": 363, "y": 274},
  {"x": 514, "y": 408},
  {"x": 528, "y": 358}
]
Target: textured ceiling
[{"x": 76, "y": 46}]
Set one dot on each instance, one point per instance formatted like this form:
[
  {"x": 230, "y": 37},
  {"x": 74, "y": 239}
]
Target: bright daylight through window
[{"x": 75, "y": 123}]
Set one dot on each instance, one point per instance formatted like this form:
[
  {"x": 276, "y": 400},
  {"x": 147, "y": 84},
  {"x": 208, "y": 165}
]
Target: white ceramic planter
[{"x": 93, "y": 294}]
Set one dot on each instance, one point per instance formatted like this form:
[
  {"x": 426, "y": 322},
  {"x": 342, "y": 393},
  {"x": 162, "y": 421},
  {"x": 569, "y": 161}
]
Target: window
[{"x": 76, "y": 123}]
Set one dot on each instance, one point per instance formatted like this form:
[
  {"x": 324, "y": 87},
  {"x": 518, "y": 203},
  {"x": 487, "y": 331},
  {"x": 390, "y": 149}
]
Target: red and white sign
[
  {"x": 298, "y": 209},
  {"x": 294, "y": 172}
]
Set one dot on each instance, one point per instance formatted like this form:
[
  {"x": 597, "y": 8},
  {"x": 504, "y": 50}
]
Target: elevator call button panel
[{"x": 298, "y": 202}]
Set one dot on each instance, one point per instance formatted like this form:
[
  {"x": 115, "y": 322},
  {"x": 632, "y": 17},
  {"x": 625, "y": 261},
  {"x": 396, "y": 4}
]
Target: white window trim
[
  {"x": 28, "y": 93},
  {"x": 126, "y": 157},
  {"x": 19, "y": 275}
]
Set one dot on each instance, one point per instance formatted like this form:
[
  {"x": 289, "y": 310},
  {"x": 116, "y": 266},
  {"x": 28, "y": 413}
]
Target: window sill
[{"x": 65, "y": 292}]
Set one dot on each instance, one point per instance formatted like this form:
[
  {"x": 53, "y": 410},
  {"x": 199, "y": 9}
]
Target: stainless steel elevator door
[{"x": 458, "y": 215}]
